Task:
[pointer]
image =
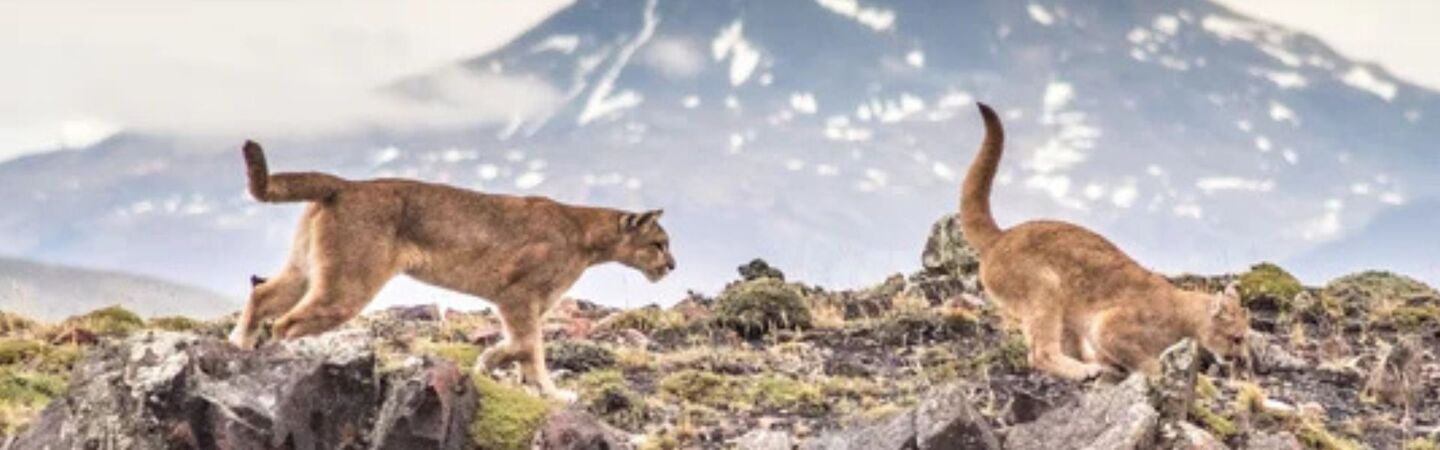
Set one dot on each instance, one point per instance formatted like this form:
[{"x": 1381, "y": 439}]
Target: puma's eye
[{"x": 660, "y": 246}]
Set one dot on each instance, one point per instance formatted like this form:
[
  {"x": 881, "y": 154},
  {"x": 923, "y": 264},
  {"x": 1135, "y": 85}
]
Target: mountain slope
[
  {"x": 825, "y": 136},
  {"x": 51, "y": 292}
]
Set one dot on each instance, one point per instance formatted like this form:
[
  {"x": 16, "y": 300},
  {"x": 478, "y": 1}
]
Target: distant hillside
[{"x": 50, "y": 292}]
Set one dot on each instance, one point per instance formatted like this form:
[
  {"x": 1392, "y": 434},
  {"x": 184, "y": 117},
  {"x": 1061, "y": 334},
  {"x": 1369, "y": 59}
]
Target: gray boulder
[
  {"x": 946, "y": 251},
  {"x": 575, "y": 429},
  {"x": 162, "y": 390},
  {"x": 945, "y": 419},
  {"x": 1118, "y": 417},
  {"x": 763, "y": 439}
]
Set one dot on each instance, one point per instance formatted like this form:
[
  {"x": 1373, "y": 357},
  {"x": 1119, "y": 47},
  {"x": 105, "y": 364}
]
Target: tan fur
[
  {"x": 520, "y": 253},
  {"x": 1084, "y": 306}
]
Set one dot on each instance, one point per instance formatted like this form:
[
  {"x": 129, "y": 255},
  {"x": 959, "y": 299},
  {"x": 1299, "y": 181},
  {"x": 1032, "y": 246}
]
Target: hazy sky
[{"x": 76, "y": 71}]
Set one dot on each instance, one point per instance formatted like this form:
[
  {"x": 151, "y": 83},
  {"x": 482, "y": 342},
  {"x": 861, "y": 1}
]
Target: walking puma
[
  {"x": 1084, "y": 306},
  {"x": 520, "y": 253}
]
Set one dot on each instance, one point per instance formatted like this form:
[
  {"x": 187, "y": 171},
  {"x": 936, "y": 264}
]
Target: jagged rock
[
  {"x": 429, "y": 404},
  {"x": 763, "y": 439},
  {"x": 1116, "y": 417},
  {"x": 758, "y": 268},
  {"x": 164, "y": 390},
  {"x": 1268, "y": 356},
  {"x": 573, "y": 429},
  {"x": 945, "y": 419},
  {"x": 427, "y": 313},
  {"x": 1175, "y": 388},
  {"x": 946, "y": 251},
  {"x": 1273, "y": 441},
  {"x": 1195, "y": 438},
  {"x": 1395, "y": 379}
]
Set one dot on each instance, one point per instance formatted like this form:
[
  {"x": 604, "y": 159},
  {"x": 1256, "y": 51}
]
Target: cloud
[
  {"x": 674, "y": 58},
  {"x": 79, "y": 70}
]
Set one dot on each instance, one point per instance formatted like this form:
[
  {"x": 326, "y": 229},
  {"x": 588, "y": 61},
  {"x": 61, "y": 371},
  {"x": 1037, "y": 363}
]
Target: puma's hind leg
[
  {"x": 267, "y": 300},
  {"x": 1045, "y": 334},
  {"x": 272, "y": 297},
  {"x": 348, "y": 264}
]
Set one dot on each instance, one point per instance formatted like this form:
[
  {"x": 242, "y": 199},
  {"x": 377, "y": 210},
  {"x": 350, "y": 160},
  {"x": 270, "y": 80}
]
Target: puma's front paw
[
  {"x": 1094, "y": 372},
  {"x": 243, "y": 340}
]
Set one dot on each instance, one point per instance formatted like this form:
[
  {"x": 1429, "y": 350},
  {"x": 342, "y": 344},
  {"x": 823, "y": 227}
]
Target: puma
[
  {"x": 520, "y": 253},
  {"x": 1084, "y": 306}
]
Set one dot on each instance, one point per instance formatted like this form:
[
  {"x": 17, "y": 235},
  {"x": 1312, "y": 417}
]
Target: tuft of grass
[
  {"x": 606, "y": 394},
  {"x": 507, "y": 417},
  {"x": 14, "y": 324},
  {"x": 706, "y": 388},
  {"x": 175, "y": 323},
  {"x": 758, "y": 307},
  {"x": 780, "y": 393},
  {"x": 22, "y": 395},
  {"x": 1221, "y": 426},
  {"x": 1421, "y": 444},
  {"x": 16, "y": 351},
  {"x": 648, "y": 320},
  {"x": 461, "y": 354},
  {"x": 578, "y": 356},
  {"x": 1268, "y": 282},
  {"x": 939, "y": 363},
  {"x": 1313, "y": 434},
  {"x": 1383, "y": 297},
  {"x": 113, "y": 321}
]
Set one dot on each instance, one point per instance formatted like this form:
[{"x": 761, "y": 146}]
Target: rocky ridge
[{"x": 917, "y": 361}]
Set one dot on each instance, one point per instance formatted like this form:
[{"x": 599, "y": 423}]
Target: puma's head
[
  {"x": 1225, "y": 333},
  {"x": 644, "y": 245}
]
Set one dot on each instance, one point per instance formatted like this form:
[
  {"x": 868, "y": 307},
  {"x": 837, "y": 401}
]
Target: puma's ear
[
  {"x": 1232, "y": 290},
  {"x": 633, "y": 221}
]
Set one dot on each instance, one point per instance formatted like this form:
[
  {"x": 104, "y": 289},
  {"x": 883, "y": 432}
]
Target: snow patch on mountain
[
  {"x": 878, "y": 19},
  {"x": 601, "y": 103},
  {"x": 1361, "y": 78}
]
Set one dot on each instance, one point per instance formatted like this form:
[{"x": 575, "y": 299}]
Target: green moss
[
  {"x": 1314, "y": 435},
  {"x": 1268, "y": 282},
  {"x": 606, "y": 394},
  {"x": 12, "y": 324},
  {"x": 1205, "y": 389},
  {"x": 15, "y": 351},
  {"x": 1421, "y": 444},
  {"x": 939, "y": 363},
  {"x": 1410, "y": 318},
  {"x": 648, "y": 320},
  {"x": 1379, "y": 296},
  {"x": 1221, "y": 426},
  {"x": 578, "y": 356},
  {"x": 109, "y": 322},
  {"x": 23, "y": 394},
  {"x": 758, "y": 307},
  {"x": 463, "y": 355},
  {"x": 779, "y": 393},
  {"x": 507, "y": 417},
  {"x": 706, "y": 388},
  {"x": 59, "y": 359},
  {"x": 175, "y": 323}
]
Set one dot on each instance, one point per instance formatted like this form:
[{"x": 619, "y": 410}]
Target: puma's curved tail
[
  {"x": 286, "y": 187},
  {"x": 975, "y": 219}
]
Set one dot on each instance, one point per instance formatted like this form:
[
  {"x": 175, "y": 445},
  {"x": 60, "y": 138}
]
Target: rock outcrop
[
  {"x": 164, "y": 390},
  {"x": 945, "y": 419}
]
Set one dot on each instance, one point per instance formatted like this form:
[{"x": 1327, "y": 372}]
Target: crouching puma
[
  {"x": 1084, "y": 306},
  {"x": 520, "y": 253}
]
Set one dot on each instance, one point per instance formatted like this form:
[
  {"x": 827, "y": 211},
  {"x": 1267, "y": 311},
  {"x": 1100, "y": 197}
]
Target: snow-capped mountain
[{"x": 826, "y": 136}]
